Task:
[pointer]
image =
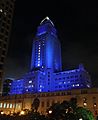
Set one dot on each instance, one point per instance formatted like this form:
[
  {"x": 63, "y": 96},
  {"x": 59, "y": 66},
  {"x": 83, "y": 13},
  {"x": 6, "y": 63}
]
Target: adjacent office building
[
  {"x": 46, "y": 73},
  {"x": 6, "y": 15}
]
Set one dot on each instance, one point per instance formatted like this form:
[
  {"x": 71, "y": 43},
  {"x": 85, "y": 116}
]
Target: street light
[
  {"x": 50, "y": 111},
  {"x": 22, "y": 112},
  {"x": 2, "y": 112}
]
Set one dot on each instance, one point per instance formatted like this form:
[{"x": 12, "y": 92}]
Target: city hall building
[
  {"x": 46, "y": 73},
  {"x": 46, "y": 80}
]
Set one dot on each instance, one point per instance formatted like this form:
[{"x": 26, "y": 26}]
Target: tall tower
[
  {"x": 46, "y": 52},
  {"x": 6, "y": 14}
]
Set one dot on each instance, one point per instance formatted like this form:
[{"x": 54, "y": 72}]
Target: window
[
  {"x": 3, "y": 52},
  {"x": 48, "y": 83},
  {"x": 68, "y": 93},
  {"x": 30, "y": 81},
  {"x": 6, "y": 33},
  {"x": 2, "y": 30},
  {"x": 1, "y": 10},
  {"x": 76, "y": 76},
  {"x": 2, "y": 59},
  {"x": 1, "y": 105},
  {"x": 83, "y": 91},
  {"x": 42, "y": 105},
  {"x": 10, "y": 105},
  {"x": 4, "y": 105},
  {"x": 14, "y": 105},
  {"x": 17, "y": 106},
  {"x": 47, "y": 103},
  {"x": 53, "y": 102},
  {"x": 1, "y": 36},
  {"x": 7, "y": 105}
]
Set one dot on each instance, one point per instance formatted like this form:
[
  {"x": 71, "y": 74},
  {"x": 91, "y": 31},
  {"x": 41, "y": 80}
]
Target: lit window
[
  {"x": 9, "y": 83},
  {"x": 4, "y": 105},
  {"x": 60, "y": 83},
  {"x": 29, "y": 86},
  {"x": 8, "y": 105},
  {"x": 39, "y": 53},
  {"x": 27, "y": 90},
  {"x": 88, "y": 85},
  {"x": 17, "y": 105},
  {"x": 13, "y": 105},
  {"x": 77, "y": 85},
  {"x": 5, "y": 13},
  {"x": 38, "y": 50},
  {"x": 1, "y": 105},
  {"x": 73, "y": 85},
  {"x": 41, "y": 86},
  {"x": 38, "y": 58},
  {"x": 38, "y": 61},
  {"x": 40, "y": 90},
  {"x": 1, "y": 10},
  {"x": 38, "y": 64},
  {"x": 64, "y": 82},
  {"x": 32, "y": 85},
  {"x": 30, "y": 81}
]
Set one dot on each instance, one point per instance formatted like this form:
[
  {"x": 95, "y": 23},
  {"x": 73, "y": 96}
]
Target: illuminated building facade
[
  {"x": 87, "y": 98},
  {"x": 46, "y": 73},
  {"x": 6, "y": 14}
]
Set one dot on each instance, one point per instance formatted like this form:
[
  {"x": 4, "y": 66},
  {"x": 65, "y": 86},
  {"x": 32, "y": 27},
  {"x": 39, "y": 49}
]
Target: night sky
[{"x": 77, "y": 26}]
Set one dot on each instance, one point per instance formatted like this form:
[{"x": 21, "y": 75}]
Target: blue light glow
[{"x": 46, "y": 73}]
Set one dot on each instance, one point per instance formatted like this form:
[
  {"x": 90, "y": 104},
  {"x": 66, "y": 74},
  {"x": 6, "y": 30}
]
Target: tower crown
[
  {"x": 46, "y": 51},
  {"x": 46, "y": 20}
]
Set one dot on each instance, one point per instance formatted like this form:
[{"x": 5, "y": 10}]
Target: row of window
[
  {"x": 9, "y": 105},
  {"x": 8, "y": 4},
  {"x": 3, "y": 38},
  {"x": 67, "y": 86},
  {"x": 76, "y": 76}
]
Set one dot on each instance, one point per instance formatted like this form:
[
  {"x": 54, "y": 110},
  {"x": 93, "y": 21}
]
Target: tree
[
  {"x": 84, "y": 113},
  {"x": 68, "y": 110},
  {"x": 35, "y": 104}
]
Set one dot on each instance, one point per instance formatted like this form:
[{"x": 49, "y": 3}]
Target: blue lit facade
[
  {"x": 46, "y": 73},
  {"x": 46, "y": 52}
]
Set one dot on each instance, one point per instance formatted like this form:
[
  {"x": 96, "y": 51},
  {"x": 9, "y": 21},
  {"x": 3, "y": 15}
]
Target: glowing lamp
[{"x": 50, "y": 111}]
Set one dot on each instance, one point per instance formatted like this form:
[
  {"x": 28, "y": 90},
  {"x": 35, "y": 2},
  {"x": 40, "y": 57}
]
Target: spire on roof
[{"x": 46, "y": 19}]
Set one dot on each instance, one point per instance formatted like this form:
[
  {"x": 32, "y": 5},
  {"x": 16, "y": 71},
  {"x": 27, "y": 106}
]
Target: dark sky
[{"x": 77, "y": 26}]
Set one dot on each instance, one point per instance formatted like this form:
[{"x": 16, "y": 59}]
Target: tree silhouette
[
  {"x": 68, "y": 110},
  {"x": 35, "y": 104}
]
